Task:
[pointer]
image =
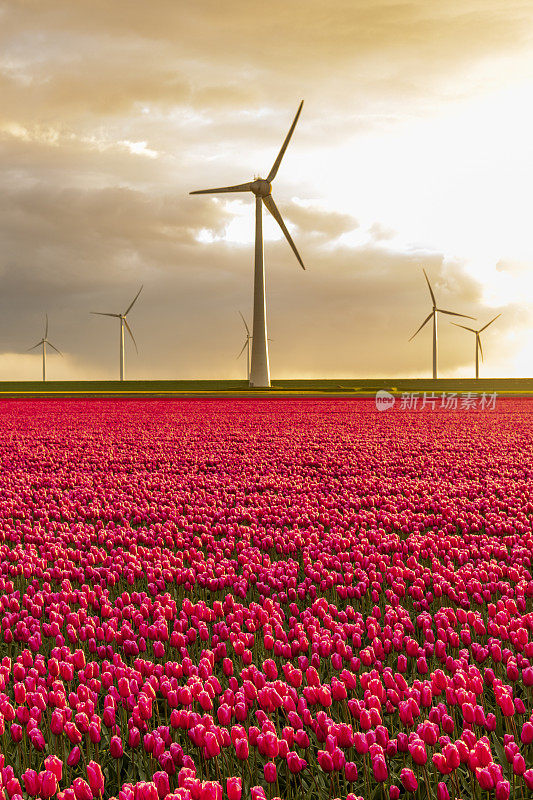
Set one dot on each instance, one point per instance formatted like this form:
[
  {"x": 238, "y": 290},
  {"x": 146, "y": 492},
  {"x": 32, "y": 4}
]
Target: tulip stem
[{"x": 426, "y": 781}]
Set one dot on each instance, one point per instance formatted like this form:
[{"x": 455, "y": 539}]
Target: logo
[{"x": 384, "y": 400}]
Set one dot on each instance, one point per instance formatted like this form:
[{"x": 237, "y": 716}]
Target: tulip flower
[
  {"x": 82, "y": 790},
  {"x": 31, "y": 782},
  {"x": 74, "y": 756},
  {"x": 55, "y": 765},
  {"x": 48, "y": 784},
  {"x": 409, "y": 781},
  {"x": 234, "y": 788},
  {"x": 116, "y": 749},
  {"x": 95, "y": 777}
]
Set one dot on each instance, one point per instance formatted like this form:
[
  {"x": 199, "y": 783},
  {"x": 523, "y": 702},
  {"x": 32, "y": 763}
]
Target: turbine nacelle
[{"x": 261, "y": 187}]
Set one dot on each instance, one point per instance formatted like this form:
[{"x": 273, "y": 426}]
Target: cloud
[
  {"x": 112, "y": 112},
  {"x": 91, "y": 57},
  {"x": 351, "y": 313},
  {"x": 318, "y": 222}
]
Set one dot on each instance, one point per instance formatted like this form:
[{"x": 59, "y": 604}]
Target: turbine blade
[
  {"x": 46, "y": 327},
  {"x": 464, "y": 327},
  {"x": 429, "y": 287},
  {"x": 131, "y": 334},
  {"x": 54, "y": 348},
  {"x": 454, "y": 313},
  {"x": 241, "y": 187},
  {"x": 245, "y": 325},
  {"x": 133, "y": 301},
  {"x": 272, "y": 207},
  {"x": 35, "y": 345},
  {"x": 103, "y": 314},
  {"x": 275, "y": 166},
  {"x": 489, "y": 323},
  {"x": 424, "y": 323},
  {"x": 479, "y": 343},
  {"x": 243, "y": 348}
]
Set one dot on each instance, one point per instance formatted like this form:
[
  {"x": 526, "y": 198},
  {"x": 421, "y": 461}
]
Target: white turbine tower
[
  {"x": 262, "y": 189},
  {"x": 433, "y": 315},
  {"x": 246, "y": 346},
  {"x": 123, "y": 324},
  {"x": 479, "y": 349},
  {"x": 44, "y": 341}
]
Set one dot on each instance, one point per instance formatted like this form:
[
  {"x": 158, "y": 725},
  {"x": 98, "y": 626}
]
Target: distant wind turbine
[
  {"x": 123, "y": 324},
  {"x": 44, "y": 341},
  {"x": 262, "y": 189},
  {"x": 479, "y": 349},
  {"x": 246, "y": 346},
  {"x": 433, "y": 314}
]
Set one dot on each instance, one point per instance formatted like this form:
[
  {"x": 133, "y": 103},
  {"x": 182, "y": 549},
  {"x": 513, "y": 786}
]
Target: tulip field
[{"x": 258, "y": 599}]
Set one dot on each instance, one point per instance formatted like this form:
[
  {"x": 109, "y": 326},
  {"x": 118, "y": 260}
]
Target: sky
[{"x": 414, "y": 150}]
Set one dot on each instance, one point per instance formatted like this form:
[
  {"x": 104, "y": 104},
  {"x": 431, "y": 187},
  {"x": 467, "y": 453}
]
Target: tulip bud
[
  {"x": 442, "y": 791},
  {"x": 55, "y": 765},
  {"x": 48, "y": 784},
  {"x": 74, "y": 756},
  {"x": 234, "y": 788},
  {"x": 116, "y": 749},
  {"x": 241, "y": 749},
  {"x": 408, "y": 779},
  {"x": 82, "y": 790},
  {"x": 31, "y": 782},
  {"x": 96, "y": 777}
]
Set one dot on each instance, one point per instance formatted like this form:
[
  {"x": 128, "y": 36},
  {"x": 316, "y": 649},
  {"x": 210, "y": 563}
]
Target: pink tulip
[
  {"x": 116, "y": 749},
  {"x": 95, "y": 777},
  {"x": 234, "y": 788},
  {"x": 48, "y": 784},
  {"x": 74, "y": 756},
  {"x": 409, "y": 781},
  {"x": 82, "y": 790},
  {"x": 31, "y": 782},
  {"x": 54, "y": 765}
]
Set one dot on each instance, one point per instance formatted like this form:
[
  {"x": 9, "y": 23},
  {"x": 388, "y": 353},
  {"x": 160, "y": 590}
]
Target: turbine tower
[
  {"x": 44, "y": 341},
  {"x": 479, "y": 349},
  {"x": 433, "y": 315},
  {"x": 262, "y": 189},
  {"x": 246, "y": 346},
  {"x": 123, "y": 324}
]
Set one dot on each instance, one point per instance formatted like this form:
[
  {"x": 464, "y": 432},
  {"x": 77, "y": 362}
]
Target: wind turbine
[
  {"x": 433, "y": 314},
  {"x": 479, "y": 349},
  {"x": 246, "y": 346},
  {"x": 44, "y": 341},
  {"x": 123, "y": 323},
  {"x": 262, "y": 189}
]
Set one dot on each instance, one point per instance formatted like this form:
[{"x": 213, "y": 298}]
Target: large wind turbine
[
  {"x": 262, "y": 189},
  {"x": 479, "y": 349},
  {"x": 44, "y": 341},
  {"x": 123, "y": 324},
  {"x": 433, "y": 314},
  {"x": 246, "y": 346}
]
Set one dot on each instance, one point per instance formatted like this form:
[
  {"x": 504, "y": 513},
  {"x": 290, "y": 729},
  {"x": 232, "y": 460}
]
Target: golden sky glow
[{"x": 414, "y": 148}]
